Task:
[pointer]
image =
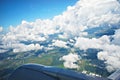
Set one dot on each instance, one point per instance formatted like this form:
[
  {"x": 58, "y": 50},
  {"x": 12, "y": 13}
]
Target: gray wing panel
[
  {"x": 115, "y": 75},
  {"x": 28, "y": 74}
]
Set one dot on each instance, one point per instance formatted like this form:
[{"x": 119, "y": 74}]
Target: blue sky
[{"x": 12, "y": 12}]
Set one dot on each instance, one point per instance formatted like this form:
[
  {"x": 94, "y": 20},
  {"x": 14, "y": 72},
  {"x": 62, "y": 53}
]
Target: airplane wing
[
  {"x": 115, "y": 75},
  {"x": 41, "y": 72}
]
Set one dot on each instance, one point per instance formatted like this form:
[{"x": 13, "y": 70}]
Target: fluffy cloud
[
  {"x": 85, "y": 43},
  {"x": 28, "y": 32},
  {"x": 110, "y": 52},
  {"x": 87, "y": 14},
  {"x": 24, "y": 48},
  {"x": 60, "y": 43},
  {"x": 111, "y": 56},
  {"x": 70, "y": 60}
]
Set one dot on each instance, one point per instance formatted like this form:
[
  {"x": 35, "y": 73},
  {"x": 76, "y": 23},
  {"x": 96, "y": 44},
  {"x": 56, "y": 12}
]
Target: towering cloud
[{"x": 87, "y": 14}]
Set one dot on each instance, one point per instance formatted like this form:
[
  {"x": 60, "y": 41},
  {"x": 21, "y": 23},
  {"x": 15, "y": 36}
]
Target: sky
[{"x": 12, "y": 12}]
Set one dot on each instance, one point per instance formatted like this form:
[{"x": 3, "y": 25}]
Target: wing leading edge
[{"x": 41, "y": 72}]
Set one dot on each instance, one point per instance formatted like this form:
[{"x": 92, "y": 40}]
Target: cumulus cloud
[
  {"x": 24, "y": 48},
  {"x": 70, "y": 59},
  {"x": 85, "y": 43},
  {"x": 26, "y": 31},
  {"x": 110, "y": 53},
  {"x": 60, "y": 43},
  {"x": 113, "y": 53},
  {"x": 87, "y": 14},
  {"x": 111, "y": 56}
]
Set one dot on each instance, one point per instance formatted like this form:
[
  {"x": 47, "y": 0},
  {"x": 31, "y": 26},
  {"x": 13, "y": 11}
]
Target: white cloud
[
  {"x": 85, "y": 43},
  {"x": 24, "y": 48},
  {"x": 70, "y": 60},
  {"x": 110, "y": 54},
  {"x": 111, "y": 57},
  {"x": 1, "y": 29},
  {"x": 60, "y": 43},
  {"x": 88, "y": 13},
  {"x": 45, "y": 27}
]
